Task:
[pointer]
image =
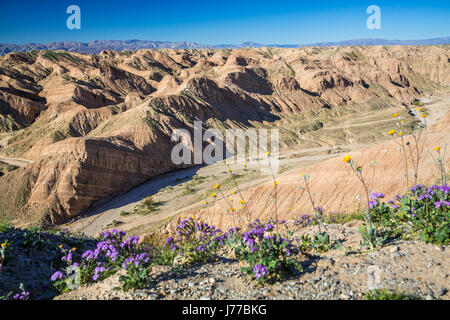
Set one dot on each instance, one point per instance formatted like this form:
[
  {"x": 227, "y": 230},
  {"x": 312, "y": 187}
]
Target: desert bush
[
  {"x": 269, "y": 257},
  {"x": 196, "y": 242},
  {"x": 422, "y": 211},
  {"x": 111, "y": 254},
  {"x": 379, "y": 294}
]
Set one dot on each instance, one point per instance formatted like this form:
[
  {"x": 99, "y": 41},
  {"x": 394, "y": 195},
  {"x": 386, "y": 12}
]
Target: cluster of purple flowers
[
  {"x": 220, "y": 240},
  {"x": 377, "y": 195},
  {"x": 204, "y": 235},
  {"x": 252, "y": 237},
  {"x": 306, "y": 220},
  {"x": 136, "y": 260},
  {"x": 170, "y": 241},
  {"x": 97, "y": 271},
  {"x": 260, "y": 271},
  {"x": 58, "y": 275},
  {"x": 437, "y": 194},
  {"x": 108, "y": 254},
  {"x": 24, "y": 295}
]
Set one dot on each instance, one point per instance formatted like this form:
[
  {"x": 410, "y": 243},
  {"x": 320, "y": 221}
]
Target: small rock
[
  {"x": 395, "y": 249},
  {"x": 443, "y": 291},
  {"x": 212, "y": 280}
]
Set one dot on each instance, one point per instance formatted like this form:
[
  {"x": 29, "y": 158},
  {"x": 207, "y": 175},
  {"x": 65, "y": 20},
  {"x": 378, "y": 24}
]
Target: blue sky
[{"x": 218, "y": 22}]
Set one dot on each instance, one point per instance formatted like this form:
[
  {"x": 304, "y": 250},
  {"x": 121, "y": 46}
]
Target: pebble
[
  {"x": 395, "y": 249},
  {"x": 443, "y": 291}
]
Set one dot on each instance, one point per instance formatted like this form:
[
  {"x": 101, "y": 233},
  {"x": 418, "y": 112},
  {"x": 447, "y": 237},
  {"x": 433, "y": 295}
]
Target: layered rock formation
[
  {"x": 98, "y": 125},
  {"x": 334, "y": 186}
]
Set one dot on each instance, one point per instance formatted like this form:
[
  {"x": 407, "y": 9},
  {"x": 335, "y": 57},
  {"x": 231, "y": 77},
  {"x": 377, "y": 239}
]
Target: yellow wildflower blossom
[{"x": 347, "y": 158}]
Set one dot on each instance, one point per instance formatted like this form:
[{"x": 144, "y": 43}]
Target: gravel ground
[
  {"x": 31, "y": 257},
  {"x": 406, "y": 266}
]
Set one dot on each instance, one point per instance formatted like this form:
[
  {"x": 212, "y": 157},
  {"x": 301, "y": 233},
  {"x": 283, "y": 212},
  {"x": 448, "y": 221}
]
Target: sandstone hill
[
  {"x": 98, "y": 125},
  {"x": 333, "y": 185}
]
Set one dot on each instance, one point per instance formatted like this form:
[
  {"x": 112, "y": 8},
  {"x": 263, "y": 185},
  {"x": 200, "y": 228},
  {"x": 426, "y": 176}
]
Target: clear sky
[{"x": 222, "y": 22}]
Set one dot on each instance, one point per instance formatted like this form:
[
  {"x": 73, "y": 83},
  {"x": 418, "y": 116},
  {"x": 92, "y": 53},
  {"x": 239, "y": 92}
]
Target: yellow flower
[
  {"x": 419, "y": 109},
  {"x": 3, "y": 244},
  {"x": 276, "y": 183},
  {"x": 216, "y": 186},
  {"x": 229, "y": 170},
  {"x": 424, "y": 115},
  {"x": 268, "y": 153},
  {"x": 242, "y": 202},
  {"x": 74, "y": 248},
  {"x": 231, "y": 199},
  {"x": 245, "y": 165},
  {"x": 60, "y": 246},
  {"x": 437, "y": 149},
  {"x": 233, "y": 192},
  {"x": 347, "y": 158},
  {"x": 213, "y": 195},
  {"x": 232, "y": 209},
  {"x": 391, "y": 132},
  {"x": 402, "y": 121},
  {"x": 395, "y": 115},
  {"x": 400, "y": 133}
]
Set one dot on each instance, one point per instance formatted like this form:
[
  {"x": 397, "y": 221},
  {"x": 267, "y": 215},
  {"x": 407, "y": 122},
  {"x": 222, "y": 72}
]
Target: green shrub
[
  {"x": 422, "y": 212},
  {"x": 269, "y": 257},
  {"x": 389, "y": 295}
]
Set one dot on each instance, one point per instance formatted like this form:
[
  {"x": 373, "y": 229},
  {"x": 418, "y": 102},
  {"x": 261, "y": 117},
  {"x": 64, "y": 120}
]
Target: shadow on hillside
[{"x": 146, "y": 189}]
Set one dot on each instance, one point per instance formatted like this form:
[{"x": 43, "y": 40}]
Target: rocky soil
[
  {"x": 31, "y": 258},
  {"x": 405, "y": 266}
]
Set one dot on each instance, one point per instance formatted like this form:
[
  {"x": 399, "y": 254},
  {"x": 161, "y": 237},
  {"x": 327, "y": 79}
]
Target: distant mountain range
[{"x": 94, "y": 47}]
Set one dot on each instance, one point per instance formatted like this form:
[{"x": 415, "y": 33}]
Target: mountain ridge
[{"x": 96, "y": 46}]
